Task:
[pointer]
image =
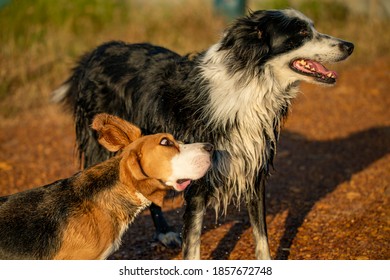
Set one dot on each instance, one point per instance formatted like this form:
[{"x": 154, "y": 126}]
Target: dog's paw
[{"x": 171, "y": 239}]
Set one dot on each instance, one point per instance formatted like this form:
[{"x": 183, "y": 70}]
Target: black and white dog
[{"x": 234, "y": 95}]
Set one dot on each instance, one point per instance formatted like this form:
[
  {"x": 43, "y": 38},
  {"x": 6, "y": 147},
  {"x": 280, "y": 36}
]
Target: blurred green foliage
[{"x": 331, "y": 10}]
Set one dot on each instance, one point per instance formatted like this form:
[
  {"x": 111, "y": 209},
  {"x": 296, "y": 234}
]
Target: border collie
[{"x": 234, "y": 95}]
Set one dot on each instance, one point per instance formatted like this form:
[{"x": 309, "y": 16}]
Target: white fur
[
  {"x": 192, "y": 162},
  {"x": 192, "y": 240},
  {"x": 324, "y": 50},
  {"x": 118, "y": 240},
  {"x": 59, "y": 94},
  {"x": 254, "y": 108}
]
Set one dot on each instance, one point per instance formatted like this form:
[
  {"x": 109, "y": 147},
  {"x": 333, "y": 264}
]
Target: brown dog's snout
[{"x": 346, "y": 47}]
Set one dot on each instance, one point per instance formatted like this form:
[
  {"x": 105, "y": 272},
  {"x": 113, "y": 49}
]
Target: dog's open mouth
[
  {"x": 182, "y": 184},
  {"x": 313, "y": 69}
]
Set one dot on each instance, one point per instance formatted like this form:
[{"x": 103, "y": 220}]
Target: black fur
[
  {"x": 32, "y": 222},
  {"x": 161, "y": 91}
]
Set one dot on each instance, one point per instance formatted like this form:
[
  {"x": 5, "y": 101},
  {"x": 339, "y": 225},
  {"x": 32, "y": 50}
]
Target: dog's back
[
  {"x": 32, "y": 222},
  {"x": 123, "y": 80},
  {"x": 32, "y": 231},
  {"x": 85, "y": 216}
]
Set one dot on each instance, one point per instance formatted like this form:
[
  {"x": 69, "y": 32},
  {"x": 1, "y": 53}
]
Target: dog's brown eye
[
  {"x": 166, "y": 142},
  {"x": 304, "y": 32}
]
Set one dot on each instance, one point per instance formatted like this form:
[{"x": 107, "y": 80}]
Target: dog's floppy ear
[
  {"x": 134, "y": 167},
  {"x": 149, "y": 187},
  {"x": 247, "y": 37},
  {"x": 114, "y": 133}
]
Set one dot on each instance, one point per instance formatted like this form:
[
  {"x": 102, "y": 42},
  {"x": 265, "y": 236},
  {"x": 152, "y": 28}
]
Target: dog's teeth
[
  {"x": 330, "y": 75},
  {"x": 302, "y": 62}
]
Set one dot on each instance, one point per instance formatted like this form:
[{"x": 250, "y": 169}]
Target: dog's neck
[
  {"x": 101, "y": 181},
  {"x": 246, "y": 97},
  {"x": 248, "y": 107},
  {"x": 99, "y": 187},
  {"x": 247, "y": 100}
]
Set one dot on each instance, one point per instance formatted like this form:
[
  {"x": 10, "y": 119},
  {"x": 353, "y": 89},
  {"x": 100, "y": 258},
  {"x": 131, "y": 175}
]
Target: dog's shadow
[
  {"x": 315, "y": 169},
  {"x": 305, "y": 172}
]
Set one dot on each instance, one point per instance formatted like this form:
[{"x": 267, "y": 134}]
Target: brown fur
[
  {"x": 87, "y": 235},
  {"x": 84, "y": 216}
]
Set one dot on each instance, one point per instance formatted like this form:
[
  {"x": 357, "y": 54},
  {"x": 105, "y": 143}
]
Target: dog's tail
[
  {"x": 67, "y": 93},
  {"x": 89, "y": 151},
  {"x": 61, "y": 94}
]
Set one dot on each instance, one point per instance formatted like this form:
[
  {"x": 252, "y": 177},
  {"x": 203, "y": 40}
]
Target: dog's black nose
[
  {"x": 208, "y": 147},
  {"x": 347, "y": 47}
]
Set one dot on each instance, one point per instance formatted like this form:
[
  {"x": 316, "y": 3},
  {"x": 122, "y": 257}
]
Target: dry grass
[
  {"x": 38, "y": 60},
  {"x": 41, "y": 40}
]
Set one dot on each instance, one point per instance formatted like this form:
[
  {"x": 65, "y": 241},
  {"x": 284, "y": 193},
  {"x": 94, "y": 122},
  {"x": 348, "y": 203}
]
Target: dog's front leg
[
  {"x": 257, "y": 216},
  {"x": 164, "y": 233},
  {"x": 192, "y": 228}
]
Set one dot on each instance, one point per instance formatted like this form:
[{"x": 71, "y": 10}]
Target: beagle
[{"x": 85, "y": 216}]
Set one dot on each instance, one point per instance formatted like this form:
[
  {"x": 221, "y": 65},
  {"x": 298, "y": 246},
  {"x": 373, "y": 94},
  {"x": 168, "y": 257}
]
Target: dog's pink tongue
[
  {"x": 182, "y": 184},
  {"x": 322, "y": 69},
  {"x": 314, "y": 67}
]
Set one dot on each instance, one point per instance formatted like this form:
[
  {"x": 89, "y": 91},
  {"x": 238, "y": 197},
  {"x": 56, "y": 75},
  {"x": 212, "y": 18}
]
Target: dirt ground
[{"x": 328, "y": 196}]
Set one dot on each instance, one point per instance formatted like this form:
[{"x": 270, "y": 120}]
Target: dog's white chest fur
[{"x": 249, "y": 110}]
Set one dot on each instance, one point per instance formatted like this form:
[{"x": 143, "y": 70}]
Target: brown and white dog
[{"x": 84, "y": 216}]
